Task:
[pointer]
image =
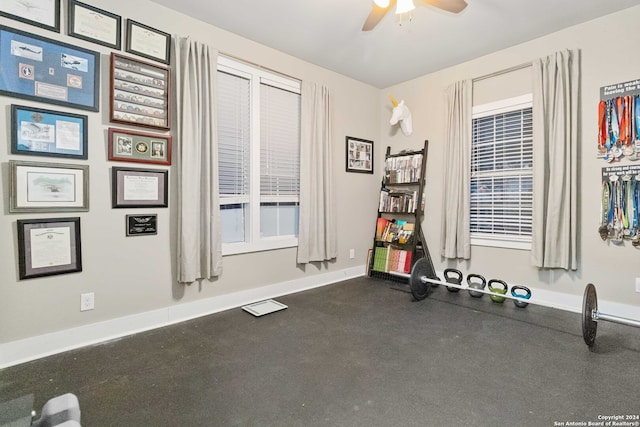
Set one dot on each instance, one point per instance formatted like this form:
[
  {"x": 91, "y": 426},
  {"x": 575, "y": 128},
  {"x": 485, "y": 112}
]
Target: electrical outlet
[
  {"x": 87, "y": 301},
  {"x": 352, "y": 253},
  {"x": 637, "y": 284}
]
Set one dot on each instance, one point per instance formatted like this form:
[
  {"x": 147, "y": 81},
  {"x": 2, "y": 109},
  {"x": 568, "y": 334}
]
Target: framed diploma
[
  {"x": 49, "y": 71},
  {"x": 141, "y": 225},
  {"x": 39, "y": 132},
  {"x": 139, "y": 93},
  {"x": 95, "y": 25},
  {"x": 148, "y": 42},
  {"x": 130, "y": 146},
  {"x": 48, "y": 246},
  {"x": 41, "y": 13},
  {"x": 139, "y": 188},
  {"x": 48, "y": 187}
]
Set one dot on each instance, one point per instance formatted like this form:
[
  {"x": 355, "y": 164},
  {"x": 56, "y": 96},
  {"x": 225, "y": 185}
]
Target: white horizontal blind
[
  {"x": 279, "y": 144},
  {"x": 234, "y": 137},
  {"x": 502, "y": 174}
]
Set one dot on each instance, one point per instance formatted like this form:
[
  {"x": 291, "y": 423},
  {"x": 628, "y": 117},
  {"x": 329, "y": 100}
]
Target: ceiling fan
[{"x": 381, "y": 7}]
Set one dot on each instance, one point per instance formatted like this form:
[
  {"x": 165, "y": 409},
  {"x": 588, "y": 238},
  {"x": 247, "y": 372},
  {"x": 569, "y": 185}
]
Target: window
[
  {"x": 259, "y": 150},
  {"x": 502, "y": 174}
]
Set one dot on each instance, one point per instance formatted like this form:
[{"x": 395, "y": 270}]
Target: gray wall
[
  {"x": 613, "y": 269},
  {"x": 136, "y": 275},
  {"x": 131, "y": 275}
]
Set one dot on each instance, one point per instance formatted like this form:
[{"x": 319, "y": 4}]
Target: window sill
[
  {"x": 499, "y": 243},
  {"x": 267, "y": 244}
]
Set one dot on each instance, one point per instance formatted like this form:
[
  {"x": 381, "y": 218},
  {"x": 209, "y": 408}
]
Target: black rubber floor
[{"x": 356, "y": 353}]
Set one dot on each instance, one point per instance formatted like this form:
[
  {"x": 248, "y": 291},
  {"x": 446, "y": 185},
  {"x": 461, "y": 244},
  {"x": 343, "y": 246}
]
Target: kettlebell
[
  {"x": 525, "y": 295},
  {"x": 476, "y": 281},
  {"x": 501, "y": 289},
  {"x": 451, "y": 275}
]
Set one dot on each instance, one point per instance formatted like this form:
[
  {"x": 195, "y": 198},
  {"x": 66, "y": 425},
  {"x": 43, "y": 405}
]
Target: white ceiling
[{"x": 327, "y": 32}]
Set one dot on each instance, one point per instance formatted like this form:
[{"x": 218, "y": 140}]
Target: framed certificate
[
  {"x": 95, "y": 25},
  {"x": 41, "y": 13},
  {"x": 39, "y": 132},
  {"x": 47, "y": 70},
  {"x": 148, "y": 42},
  {"x": 48, "y": 187},
  {"x": 139, "y": 188},
  {"x": 48, "y": 246}
]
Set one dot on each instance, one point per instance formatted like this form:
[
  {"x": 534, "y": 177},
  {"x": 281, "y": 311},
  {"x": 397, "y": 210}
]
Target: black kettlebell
[
  {"x": 526, "y": 295},
  {"x": 476, "y": 281},
  {"x": 451, "y": 275},
  {"x": 501, "y": 289}
]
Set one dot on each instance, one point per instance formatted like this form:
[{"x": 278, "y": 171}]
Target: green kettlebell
[{"x": 501, "y": 290}]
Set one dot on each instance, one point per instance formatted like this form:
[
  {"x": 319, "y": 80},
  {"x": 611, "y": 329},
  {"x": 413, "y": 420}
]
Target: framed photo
[
  {"x": 39, "y": 132},
  {"x": 139, "y": 93},
  {"x": 94, "y": 25},
  {"x": 359, "y": 155},
  {"x": 142, "y": 225},
  {"x": 48, "y": 187},
  {"x": 48, "y": 246},
  {"x": 148, "y": 42},
  {"x": 41, "y": 13},
  {"x": 130, "y": 146},
  {"x": 47, "y": 70},
  {"x": 139, "y": 188}
]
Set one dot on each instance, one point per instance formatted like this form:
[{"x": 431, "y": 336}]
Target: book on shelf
[
  {"x": 398, "y": 200},
  {"x": 395, "y": 231},
  {"x": 403, "y": 169}
]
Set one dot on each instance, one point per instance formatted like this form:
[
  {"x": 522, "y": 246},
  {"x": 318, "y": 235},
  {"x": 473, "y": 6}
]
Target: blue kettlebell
[
  {"x": 501, "y": 289},
  {"x": 517, "y": 291}
]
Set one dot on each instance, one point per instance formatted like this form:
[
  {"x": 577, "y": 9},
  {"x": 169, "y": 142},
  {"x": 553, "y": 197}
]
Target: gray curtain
[
  {"x": 455, "y": 234},
  {"x": 317, "y": 235},
  {"x": 199, "y": 234},
  {"x": 556, "y": 128}
]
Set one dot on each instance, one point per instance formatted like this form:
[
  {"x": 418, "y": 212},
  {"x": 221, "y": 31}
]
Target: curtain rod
[
  {"x": 271, "y": 70},
  {"x": 505, "y": 71}
]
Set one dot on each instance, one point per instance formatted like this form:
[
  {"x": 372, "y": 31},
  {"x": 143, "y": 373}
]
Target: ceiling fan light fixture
[
  {"x": 382, "y": 3},
  {"x": 404, "y": 6}
]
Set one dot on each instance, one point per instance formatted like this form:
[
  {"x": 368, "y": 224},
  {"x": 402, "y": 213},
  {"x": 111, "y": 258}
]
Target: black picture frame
[
  {"x": 148, "y": 42},
  {"x": 40, "y": 132},
  {"x": 139, "y": 188},
  {"x": 359, "y": 155},
  {"x": 140, "y": 93},
  {"x": 48, "y": 246},
  {"x": 142, "y": 225},
  {"x": 47, "y": 18},
  {"x": 49, "y": 71},
  {"x": 104, "y": 29}
]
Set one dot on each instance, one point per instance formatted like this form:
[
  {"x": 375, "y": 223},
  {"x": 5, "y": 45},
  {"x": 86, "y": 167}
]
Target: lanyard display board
[
  {"x": 620, "y": 200},
  {"x": 619, "y": 121}
]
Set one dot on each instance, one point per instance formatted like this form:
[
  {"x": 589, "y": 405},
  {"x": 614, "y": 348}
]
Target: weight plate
[
  {"x": 589, "y": 306},
  {"x": 422, "y": 268}
]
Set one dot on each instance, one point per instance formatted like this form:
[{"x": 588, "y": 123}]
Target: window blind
[
  {"x": 502, "y": 176},
  {"x": 279, "y": 144},
  {"x": 234, "y": 137}
]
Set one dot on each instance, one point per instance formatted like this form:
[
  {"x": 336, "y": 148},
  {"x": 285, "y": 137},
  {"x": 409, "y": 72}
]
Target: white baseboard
[{"x": 25, "y": 350}]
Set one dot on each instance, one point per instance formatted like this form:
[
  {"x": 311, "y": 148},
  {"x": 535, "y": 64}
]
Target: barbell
[{"x": 423, "y": 277}]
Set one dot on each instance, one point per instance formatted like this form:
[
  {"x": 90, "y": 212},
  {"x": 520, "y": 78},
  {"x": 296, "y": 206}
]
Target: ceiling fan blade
[
  {"x": 377, "y": 13},
  {"x": 453, "y": 6}
]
